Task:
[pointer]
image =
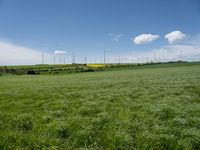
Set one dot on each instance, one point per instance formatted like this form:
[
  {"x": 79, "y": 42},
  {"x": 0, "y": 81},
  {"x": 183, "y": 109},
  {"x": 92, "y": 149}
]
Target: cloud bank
[
  {"x": 175, "y": 37},
  {"x": 14, "y": 54},
  {"x": 145, "y": 38},
  {"x": 188, "y": 52},
  {"x": 167, "y": 53}
]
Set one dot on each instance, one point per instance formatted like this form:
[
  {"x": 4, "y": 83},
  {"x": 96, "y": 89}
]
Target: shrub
[
  {"x": 32, "y": 72},
  {"x": 90, "y": 70},
  {"x": 13, "y": 71}
]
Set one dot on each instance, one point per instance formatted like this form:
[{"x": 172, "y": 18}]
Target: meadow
[{"x": 130, "y": 109}]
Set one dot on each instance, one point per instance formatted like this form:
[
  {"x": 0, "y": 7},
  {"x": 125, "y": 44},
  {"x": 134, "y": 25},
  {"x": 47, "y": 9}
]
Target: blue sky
[{"x": 91, "y": 26}]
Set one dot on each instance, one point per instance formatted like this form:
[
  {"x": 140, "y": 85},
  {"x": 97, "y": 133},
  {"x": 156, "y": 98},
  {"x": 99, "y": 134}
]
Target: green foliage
[
  {"x": 32, "y": 72},
  {"x": 151, "y": 108},
  {"x": 78, "y": 68}
]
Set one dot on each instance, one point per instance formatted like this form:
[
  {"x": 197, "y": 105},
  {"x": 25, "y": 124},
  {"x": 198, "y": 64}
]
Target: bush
[
  {"x": 32, "y": 72},
  {"x": 90, "y": 70},
  {"x": 13, "y": 71}
]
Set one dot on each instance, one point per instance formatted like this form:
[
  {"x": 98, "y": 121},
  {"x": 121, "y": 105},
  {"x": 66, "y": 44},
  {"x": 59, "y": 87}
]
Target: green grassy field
[{"x": 155, "y": 108}]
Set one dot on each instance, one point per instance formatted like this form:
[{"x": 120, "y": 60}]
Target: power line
[
  {"x": 181, "y": 55},
  {"x": 42, "y": 59},
  {"x": 60, "y": 60},
  {"x": 85, "y": 60},
  {"x": 73, "y": 58},
  {"x": 104, "y": 59},
  {"x": 154, "y": 57}
]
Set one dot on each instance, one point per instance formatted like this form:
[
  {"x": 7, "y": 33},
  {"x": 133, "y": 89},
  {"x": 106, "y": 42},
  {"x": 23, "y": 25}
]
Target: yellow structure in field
[{"x": 96, "y": 65}]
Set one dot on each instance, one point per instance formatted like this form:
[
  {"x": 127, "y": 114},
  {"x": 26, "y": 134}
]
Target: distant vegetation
[
  {"x": 77, "y": 68},
  {"x": 154, "y": 107}
]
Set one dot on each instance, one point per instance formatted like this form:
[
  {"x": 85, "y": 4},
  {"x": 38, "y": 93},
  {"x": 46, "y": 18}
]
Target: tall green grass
[{"x": 127, "y": 109}]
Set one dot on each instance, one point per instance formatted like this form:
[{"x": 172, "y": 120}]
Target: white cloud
[
  {"x": 114, "y": 37},
  {"x": 11, "y": 54},
  {"x": 60, "y": 52},
  {"x": 175, "y": 36},
  {"x": 170, "y": 53},
  {"x": 174, "y": 51},
  {"x": 145, "y": 38}
]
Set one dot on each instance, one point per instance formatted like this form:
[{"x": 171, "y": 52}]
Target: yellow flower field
[{"x": 96, "y": 65}]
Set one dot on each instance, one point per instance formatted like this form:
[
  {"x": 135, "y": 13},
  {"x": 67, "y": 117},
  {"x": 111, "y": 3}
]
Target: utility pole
[
  {"x": 73, "y": 58},
  {"x": 54, "y": 60},
  {"x": 60, "y": 60},
  {"x": 154, "y": 57},
  {"x": 85, "y": 60},
  {"x": 42, "y": 59},
  {"x": 104, "y": 59},
  {"x": 181, "y": 55}
]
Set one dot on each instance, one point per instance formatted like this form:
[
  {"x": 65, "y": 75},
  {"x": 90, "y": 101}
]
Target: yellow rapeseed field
[{"x": 96, "y": 65}]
